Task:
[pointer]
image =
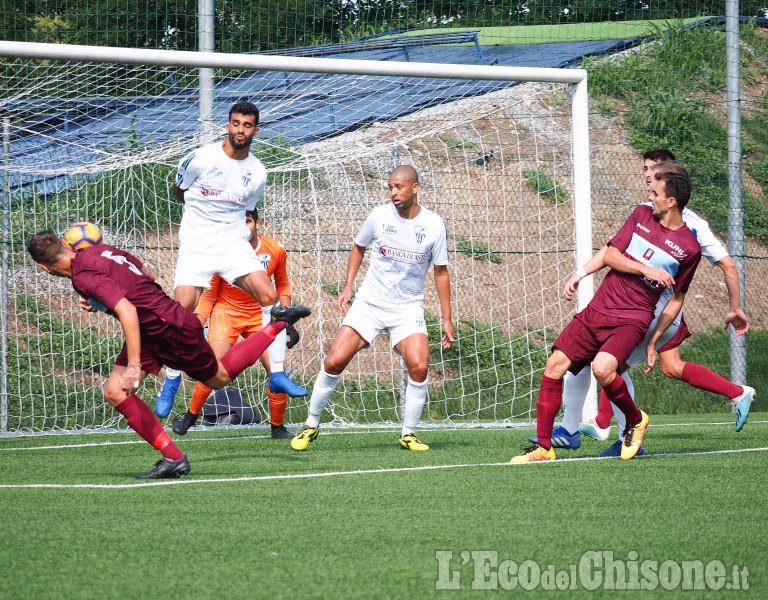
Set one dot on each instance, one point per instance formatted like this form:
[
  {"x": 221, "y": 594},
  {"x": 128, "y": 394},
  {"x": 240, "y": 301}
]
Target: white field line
[
  {"x": 123, "y": 486},
  {"x": 325, "y": 432}
]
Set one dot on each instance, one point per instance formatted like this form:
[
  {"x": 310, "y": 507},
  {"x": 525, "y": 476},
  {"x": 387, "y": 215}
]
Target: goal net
[{"x": 100, "y": 141}]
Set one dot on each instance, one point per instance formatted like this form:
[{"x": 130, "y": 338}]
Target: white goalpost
[{"x": 503, "y": 155}]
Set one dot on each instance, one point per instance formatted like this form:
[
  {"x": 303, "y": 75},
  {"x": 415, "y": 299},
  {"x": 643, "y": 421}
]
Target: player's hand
[
  {"x": 293, "y": 336},
  {"x": 85, "y": 306},
  {"x": 130, "y": 379},
  {"x": 659, "y": 275},
  {"x": 448, "y": 337},
  {"x": 343, "y": 300},
  {"x": 571, "y": 286},
  {"x": 738, "y": 319},
  {"x": 650, "y": 353}
]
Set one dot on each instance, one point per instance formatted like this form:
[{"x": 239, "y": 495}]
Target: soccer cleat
[
  {"x": 182, "y": 424},
  {"x": 534, "y": 453},
  {"x": 561, "y": 439},
  {"x": 289, "y": 314},
  {"x": 164, "y": 402},
  {"x": 410, "y": 442},
  {"x": 306, "y": 434},
  {"x": 742, "y": 404},
  {"x": 615, "y": 450},
  {"x": 279, "y": 432},
  {"x": 280, "y": 383},
  {"x": 592, "y": 429},
  {"x": 167, "y": 469},
  {"x": 633, "y": 437}
]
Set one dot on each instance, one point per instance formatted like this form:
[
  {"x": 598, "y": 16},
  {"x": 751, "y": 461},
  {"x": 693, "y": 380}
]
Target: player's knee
[
  {"x": 334, "y": 364},
  {"x": 604, "y": 373},
  {"x": 555, "y": 368},
  {"x": 268, "y": 297},
  {"x": 672, "y": 369},
  {"x": 114, "y": 394},
  {"x": 418, "y": 372}
]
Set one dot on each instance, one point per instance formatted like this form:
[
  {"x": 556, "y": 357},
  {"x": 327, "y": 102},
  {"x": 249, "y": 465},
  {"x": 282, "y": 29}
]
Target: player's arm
[
  {"x": 179, "y": 193},
  {"x": 616, "y": 260},
  {"x": 735, "y": 316},
  {"x": 282, "y": 284},
  {"x": 353, "y": 266},
  {"x": 666, "y": 318},
  {"x": 149, "y": 272},
  {"x": 129, "y": 320},
  {"x": 443, "y": 284},
  {"x": 593, "y": 265}
]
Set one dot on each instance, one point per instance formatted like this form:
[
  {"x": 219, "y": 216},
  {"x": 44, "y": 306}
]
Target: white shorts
[
  {"x": 638, "y": 356},
  {"x": 368, "y": 320},
  {"x": 197, "y": 264}
]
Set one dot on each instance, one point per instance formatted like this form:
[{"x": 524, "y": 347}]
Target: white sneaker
[{"x": 591, "y": 429}]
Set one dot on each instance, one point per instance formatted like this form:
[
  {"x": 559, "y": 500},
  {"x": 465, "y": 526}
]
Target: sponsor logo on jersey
[
  {"x": 214, "y": 195},
  {"x": 677, "y": 251},
  {"x": 421, "y": 233},
  {"x": 214, "y": 171},
  {"x": 402, "y": 255},
  {"x": 264, "y": 259},
  {"x": 387, "y": 228}
]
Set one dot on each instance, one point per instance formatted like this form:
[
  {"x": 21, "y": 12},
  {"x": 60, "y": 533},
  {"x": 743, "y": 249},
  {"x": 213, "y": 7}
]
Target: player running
[
  {"x": 157, "y": 331},
  {"x": 405, "y": 239},
  {"x": 230, "y": 313}
]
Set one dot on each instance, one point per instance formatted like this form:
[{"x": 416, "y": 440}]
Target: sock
[
  {"x": 173, "y": 373},
  {"x": 199, "y": 396},
  {"x": 415, "y": 397},
  {"x": 321, "y": 393},
  {"x": 277, "y": 405},
  {"x": 144, "y": 422},
  {"x": 604, "y": 411},
  {"x": 575, "y": 389},
  {"x": 243, "y": 354},
  {"x": 278, "y": 349},
  {"x": 621, "y": 420},
  {"x": 618, "y": 393},
  {"x": 550, "y": 398},
  {"x": 704, "y": 379}
]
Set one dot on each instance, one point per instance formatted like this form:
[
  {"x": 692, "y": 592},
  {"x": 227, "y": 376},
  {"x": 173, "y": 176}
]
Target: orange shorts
[{"x": 227, "y": 324}]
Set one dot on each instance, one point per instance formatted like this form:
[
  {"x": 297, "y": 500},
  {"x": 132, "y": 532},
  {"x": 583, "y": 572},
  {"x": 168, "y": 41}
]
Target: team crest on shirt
[
  {"x": 421, "y": 233},
  {"x": 386, "y": 228},
  {"x": 246, "y": 177},
  {"x": 648, "y": 253},
  {"x": 264, "y": 259}
]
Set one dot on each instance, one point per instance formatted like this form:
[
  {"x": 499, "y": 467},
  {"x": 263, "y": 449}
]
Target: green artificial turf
[{"x": 356, "y": 517}]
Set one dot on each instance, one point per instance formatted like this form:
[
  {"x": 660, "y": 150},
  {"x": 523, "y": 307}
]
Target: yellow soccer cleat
[
  {"x": 306, "y": 434},
  {"x": 633, "y": 437},
  {"x": 410, "y": 442},
  {"x": 535, "y": 453}
]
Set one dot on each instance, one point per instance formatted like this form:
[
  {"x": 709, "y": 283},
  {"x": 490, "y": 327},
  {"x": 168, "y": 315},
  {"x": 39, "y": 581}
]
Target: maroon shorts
[
  {"x": 591, "y": 332},
  {"x": 680, "y": 336},
  {"x": 185, "y": 349}
]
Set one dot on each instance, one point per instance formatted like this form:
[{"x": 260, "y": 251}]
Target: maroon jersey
[
  {"x": 643, "y": 239},
  {"x": 108, "y": 275}
]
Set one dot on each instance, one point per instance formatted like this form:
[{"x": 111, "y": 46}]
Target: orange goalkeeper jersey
[{"x": 221, "y": 294}]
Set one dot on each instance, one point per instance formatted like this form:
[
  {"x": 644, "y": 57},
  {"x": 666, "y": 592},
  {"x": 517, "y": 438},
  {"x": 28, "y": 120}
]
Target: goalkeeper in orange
[{"x": 230, "y": 313}]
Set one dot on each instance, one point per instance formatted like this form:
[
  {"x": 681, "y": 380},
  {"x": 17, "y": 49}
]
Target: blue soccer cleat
[
  {"x": 615, "y": 450},
  {"x": 743, "y": 403},
  {"x": 165, "y": 398},
  {"x": 279, "y": 383},
  {"x": 561, "y": 439}
]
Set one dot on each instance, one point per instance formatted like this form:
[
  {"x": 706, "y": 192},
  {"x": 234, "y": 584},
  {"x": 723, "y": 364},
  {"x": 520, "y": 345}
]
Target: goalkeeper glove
[{"x": 293, "y": 336}]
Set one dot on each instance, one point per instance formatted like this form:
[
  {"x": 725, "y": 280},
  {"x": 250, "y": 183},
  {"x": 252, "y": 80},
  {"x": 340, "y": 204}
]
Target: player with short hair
[
  {"x": 231, "y": 313},
  {"x": 157, "y": 331},
  {"x": 405, "y": 238},
  {"x": 217, "y": 184},
  {"x": 653, "y": 250},
  {"x": 672, "y": 365}
]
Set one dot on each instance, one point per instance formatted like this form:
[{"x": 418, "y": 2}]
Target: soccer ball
[{"x": 82, "y": 235}]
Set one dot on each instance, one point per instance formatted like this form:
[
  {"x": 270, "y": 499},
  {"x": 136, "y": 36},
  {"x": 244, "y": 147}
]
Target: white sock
[
  {"x": 415, "y": 397},
  {"x": 324, "y": 386},
  {"x": 276, "y": 349},
  {"x": 621, "y": 420},
  {"x": 171, "y": 373},
  {"x": 575, "y": 388}
]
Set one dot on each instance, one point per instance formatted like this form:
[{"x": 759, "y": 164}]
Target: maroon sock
[
  {"x": 704, "y": 379},
  {"x": 144, "y": 422},
  {"x": 547, "y": 406},
  {"x": 604, "y": 412},
  {"x": 244, "y": 354},
  {"x": 618, "y": 393}
]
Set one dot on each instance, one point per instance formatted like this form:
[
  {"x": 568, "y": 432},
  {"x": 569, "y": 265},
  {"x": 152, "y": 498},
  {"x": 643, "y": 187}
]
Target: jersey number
[{"x": 121, "y": 260}]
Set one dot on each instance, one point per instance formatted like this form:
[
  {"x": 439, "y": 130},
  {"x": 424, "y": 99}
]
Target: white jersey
[
  {"x": 711, "y": 249},
  {"x": 401, "y": 251},
  {"x": 219, "y": 190}
]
